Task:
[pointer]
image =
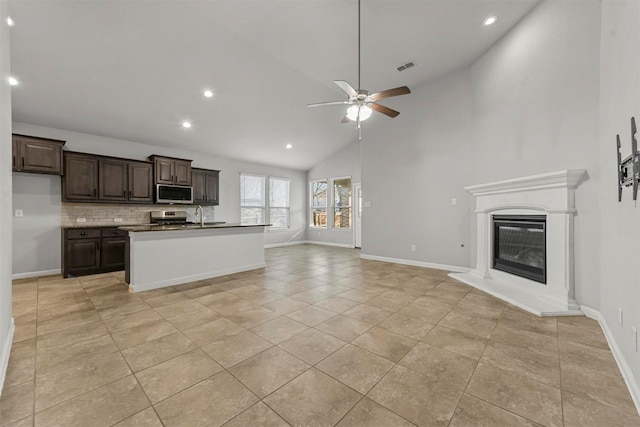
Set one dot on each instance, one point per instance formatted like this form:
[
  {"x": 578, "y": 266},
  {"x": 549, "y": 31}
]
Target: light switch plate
[{"x": 19, "y": 213}]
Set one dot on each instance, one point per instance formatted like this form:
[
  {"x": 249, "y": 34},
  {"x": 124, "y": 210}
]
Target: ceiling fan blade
[
  {"x": 346, "y": 87},
  {"x": 320, "y": 104},
  {"x": 384, "y": 110},
  {"x": 402, "y": 90},
  {"x": 345, "y": 119}
]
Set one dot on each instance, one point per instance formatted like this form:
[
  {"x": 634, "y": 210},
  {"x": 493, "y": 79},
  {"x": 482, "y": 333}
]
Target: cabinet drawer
[
  {"x": 113, "y": 232},
  {"x": 83, "y": 233}
]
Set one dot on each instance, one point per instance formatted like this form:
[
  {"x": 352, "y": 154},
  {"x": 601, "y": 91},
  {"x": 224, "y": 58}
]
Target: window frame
[
  {"x": 312, "y": 207},
  {"x": 270, "y": 206},
  {"x": 334, "y": 207},
  {"x": 264, "y": 197}
]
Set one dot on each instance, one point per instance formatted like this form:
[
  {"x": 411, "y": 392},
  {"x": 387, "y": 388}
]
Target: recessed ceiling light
[
  {"x": 208, "y": 93},
  {"x": 489, "y": 21},
  {"x": 13, "y": 81},
  {"x": 186, "y": 125},
  {"x": 289, "y": 146},
  {"x": 10, "y": 21}
]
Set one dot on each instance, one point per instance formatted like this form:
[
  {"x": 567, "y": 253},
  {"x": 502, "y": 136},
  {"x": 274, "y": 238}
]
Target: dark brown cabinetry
[
  {"x": 38, "y": 155},
  {"x": 106, "y": 179},
  {"x": 92, "y": 250},
  {"x": 81, "y": 252},
  {"x": 205, "y": 186},
  {"x": 112, "y": 256},
  {"x": 80, "y": 179},
  {"x": 171, "y": 171}
]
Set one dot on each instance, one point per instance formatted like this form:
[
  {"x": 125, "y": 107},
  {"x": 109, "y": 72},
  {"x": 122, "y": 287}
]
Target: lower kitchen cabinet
[{"x": 92, "y": 250}]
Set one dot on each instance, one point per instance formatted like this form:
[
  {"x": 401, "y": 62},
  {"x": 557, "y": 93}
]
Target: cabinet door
[
  {"x": 113, "y": 180},
  {"x": 164, "y": 171},
  {"x": 35, "y": 155},
  {"x": 112, "y": 257},
  {"x": 80, "y": 179},
  {"x": 198, "y": 178},
  {"x": 213, "y": 187},
  {"x": 140, "y": 182},
  {"x": 82, "y": 256},
  {"x": 182, "y": 172}
]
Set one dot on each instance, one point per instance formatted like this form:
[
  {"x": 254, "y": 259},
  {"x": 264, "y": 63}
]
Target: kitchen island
[{"x": 157, "y": 256}]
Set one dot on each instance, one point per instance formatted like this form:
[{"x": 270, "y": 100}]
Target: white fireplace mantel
[{"x": 551, "y": 195}]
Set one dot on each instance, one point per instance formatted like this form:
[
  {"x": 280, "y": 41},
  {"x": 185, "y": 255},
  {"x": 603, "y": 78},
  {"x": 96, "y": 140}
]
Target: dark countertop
[
  {"x": 175, "y": 227},
  {"x": 110, "y": 225}
]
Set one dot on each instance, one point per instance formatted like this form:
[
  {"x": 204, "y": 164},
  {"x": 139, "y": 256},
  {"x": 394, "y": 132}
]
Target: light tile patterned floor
[{"x": 318, "y": 338}]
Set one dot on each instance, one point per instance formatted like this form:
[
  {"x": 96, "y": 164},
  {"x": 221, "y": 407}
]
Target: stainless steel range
[{"x": 169, "y": 217}]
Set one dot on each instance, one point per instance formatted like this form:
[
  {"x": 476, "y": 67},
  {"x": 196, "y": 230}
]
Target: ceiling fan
[{"x": 361, "y": 102}]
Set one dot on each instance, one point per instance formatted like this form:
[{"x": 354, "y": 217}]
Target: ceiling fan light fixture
[
  {"x": 489, "y": 20},
  {"x": 354, "y": 110}
]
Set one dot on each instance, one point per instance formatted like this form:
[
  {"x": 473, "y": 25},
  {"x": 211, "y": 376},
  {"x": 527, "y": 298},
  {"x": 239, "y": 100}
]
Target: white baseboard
[
  {"x": 31, "y": 274},
  {"x": 308, "y": 242},
  {"x": 193, "y": 278},
  {"x": 417, "y": 263},
  {"x": 279, "y": 245},
  {"x": 6, "y": 352},
  {"x": 338, "y": 245},
  {"x": 625, "y": 369}
]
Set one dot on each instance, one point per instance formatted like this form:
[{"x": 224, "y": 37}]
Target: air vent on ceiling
[{"x": 406, "y": 66}]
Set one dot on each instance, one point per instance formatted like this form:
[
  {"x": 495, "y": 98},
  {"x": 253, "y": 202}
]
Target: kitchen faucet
[{"x": 201, "y": 215}]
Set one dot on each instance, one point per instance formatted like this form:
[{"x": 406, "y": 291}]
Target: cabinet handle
[
  {"x": 124, "y": 194},
  {"x": 94, "y": 192},
  {"x": 15, "y": 166},
  {"x": 98, "y": 243},
  {"x": 116, "y": 231},
  {"x": 23, "y": 163},
  {"x": 83, "y": 233}
]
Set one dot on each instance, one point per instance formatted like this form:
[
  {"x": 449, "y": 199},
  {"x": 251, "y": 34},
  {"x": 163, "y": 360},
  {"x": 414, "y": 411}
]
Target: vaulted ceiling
[{"x": 134, "y": 70}]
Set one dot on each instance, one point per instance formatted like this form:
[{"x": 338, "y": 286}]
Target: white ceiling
[{"x": 135, "y": 70}]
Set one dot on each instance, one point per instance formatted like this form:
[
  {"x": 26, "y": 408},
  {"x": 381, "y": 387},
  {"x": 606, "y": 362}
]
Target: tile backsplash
[{"x": 105, "y": 214}]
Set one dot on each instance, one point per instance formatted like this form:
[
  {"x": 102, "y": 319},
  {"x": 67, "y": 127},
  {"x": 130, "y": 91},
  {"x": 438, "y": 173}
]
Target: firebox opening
[{"x": 519, "y": 245}]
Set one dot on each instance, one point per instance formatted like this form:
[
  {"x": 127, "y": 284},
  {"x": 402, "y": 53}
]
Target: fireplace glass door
[{"x": 519, "y": 245}]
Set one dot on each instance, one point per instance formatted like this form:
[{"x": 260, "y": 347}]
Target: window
[
  {"x": 279, "y": 202},
  {"x": 252, "y": 199},
  {"x": 319, "y": 203},
  {"x": 342, "y": 203}
]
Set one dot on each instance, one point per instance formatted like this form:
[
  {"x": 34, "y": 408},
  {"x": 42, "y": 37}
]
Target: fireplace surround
[{"x": 549, "y": 199}]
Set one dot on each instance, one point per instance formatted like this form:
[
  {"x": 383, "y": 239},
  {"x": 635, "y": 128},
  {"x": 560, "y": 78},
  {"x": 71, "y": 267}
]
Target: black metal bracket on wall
[{"x": 629, "y": 168}]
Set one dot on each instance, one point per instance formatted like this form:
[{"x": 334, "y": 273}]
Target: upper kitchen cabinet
[
  {"x": 205, "y": 186},
  {"x": 89, "y": 178},
  {"x": 140, "y": 180},
  {"x": 80, "y": 179},
  {"x": 169, "y": 170},
  {"x": 38, "y": 155}
]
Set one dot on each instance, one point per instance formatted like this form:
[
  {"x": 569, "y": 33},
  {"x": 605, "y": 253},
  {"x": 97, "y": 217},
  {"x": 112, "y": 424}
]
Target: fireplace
[
  {"x": 530, "y": 261},
  {"x": 519, "y": 245}
]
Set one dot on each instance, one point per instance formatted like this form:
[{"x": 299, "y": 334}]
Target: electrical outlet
[
  {"x": 19, "y": 213},
  {"x": 117, "y": 219},
  {"x": 81, "y": 219},
  {"x": 454, "y": 202},
  {"x": 413, "y": 248},
  {"x": 635, "y": 339},
  {"x": 620, "y": 317}
]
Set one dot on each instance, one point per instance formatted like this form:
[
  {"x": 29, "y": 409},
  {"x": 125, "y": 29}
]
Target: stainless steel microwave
[{"x": 174, "y": 194}]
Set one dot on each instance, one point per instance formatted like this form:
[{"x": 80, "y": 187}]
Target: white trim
[
  {"x": 339, "y": 245},
  {"x": 417, "y": 263},
  {"x": 30, "y": 274},
  {"x": 625, "y": 370},
  {"x": 6, "y": 352},
  {"x": 565, "y": 178},
  {"x": 279, "y": 245},
  {"x": 193, "y": 278}
]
